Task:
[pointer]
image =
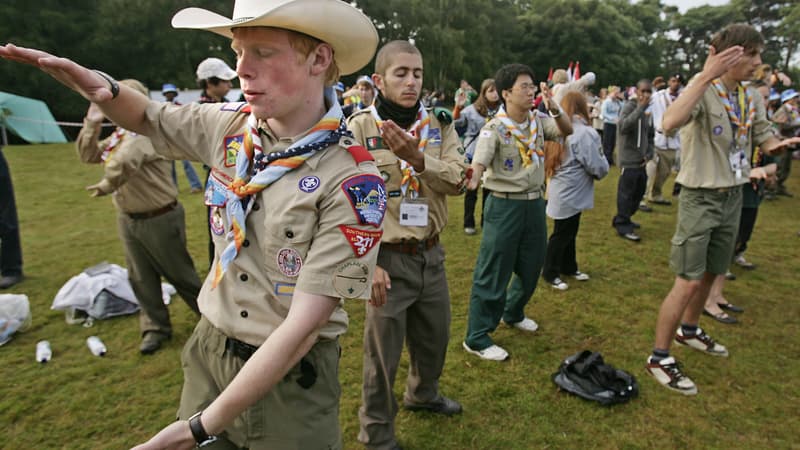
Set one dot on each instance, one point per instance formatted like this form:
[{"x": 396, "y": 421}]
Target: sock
[
  {"x": 659, "y": 354},
  {"x": 688, "y": 330}
]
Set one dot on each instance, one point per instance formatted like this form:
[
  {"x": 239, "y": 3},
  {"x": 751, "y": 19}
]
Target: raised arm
[{"x": 126, "y": 109}]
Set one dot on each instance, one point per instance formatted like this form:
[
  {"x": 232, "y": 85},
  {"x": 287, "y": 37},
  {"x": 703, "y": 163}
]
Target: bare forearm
[{"x": 127, "y": 110}]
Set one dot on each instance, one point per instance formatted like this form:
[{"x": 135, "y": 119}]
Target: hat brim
[{"x": 351, "y": 33}]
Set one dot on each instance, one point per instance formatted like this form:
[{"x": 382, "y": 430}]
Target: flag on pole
[
  {"x": 577, "y": 73},
  {"x": 550, "y": 75},
  {"x": 569, "y": 72}
]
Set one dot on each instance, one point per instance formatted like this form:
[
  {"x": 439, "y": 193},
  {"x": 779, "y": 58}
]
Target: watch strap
[
  {"x": 113, "y": 85},
  {"x": 201, "y": 438}
]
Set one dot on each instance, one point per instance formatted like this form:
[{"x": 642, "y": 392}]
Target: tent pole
[{"x": 5, "y": 136}]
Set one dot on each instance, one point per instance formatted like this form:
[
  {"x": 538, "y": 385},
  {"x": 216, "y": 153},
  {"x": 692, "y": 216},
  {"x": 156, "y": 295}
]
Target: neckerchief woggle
[
  {"x": 410, "y": 182},
  {"x": 255, "y": 170},
  {"x": 527, "y": 146},
  {"x": 113, "y": 143}
]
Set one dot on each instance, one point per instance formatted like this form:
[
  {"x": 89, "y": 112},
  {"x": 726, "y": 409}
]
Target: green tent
[{"x": 29, "y": 119}]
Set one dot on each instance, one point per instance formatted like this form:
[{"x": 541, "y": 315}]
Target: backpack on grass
[{"x": 586, "y": 375}]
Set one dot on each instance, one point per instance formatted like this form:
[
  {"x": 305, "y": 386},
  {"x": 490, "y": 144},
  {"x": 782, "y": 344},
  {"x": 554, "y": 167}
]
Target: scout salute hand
[{"x": 402, "y": 144}]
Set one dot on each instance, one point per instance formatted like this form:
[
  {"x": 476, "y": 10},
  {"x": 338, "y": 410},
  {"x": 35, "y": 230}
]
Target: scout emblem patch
[
  {"x": 309, "y": 184},
  {"x": 284, "y": 289},
  {"x": 361, "y": 241},
  {"x": 232, "y": 146},
  {"x": 374, "y": 143},
  {"x": 717, "y": 130},
  {"x": 351, "y": 279},
  {"x": 367, "y": 196},
  {"x": 508, "y": 164},
  {"x": 435, "y": 136},
  {"x": 289, "y": 262},
  {"x": 215, "y": 222}
]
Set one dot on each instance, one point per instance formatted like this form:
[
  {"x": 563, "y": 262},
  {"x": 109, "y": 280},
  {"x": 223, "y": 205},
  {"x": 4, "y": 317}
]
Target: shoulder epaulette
[
  {"x": 359, "y": 154},
  {"x": 443, "y": 115}
]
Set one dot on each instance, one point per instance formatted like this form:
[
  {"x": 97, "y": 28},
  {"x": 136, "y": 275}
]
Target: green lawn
[{"x": 750, "y": 400}]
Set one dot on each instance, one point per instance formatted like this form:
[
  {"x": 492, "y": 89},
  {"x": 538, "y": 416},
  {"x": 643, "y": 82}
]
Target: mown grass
[{"x": 750, "y": 400}]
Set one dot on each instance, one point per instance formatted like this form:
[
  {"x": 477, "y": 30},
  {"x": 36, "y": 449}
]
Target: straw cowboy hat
[{"x": 346, "y": 29}]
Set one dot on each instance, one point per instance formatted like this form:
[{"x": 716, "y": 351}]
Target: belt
[
  {"x": 239, "y": 349},
  {"x": 412, "y": 247},
  {"x": 153, "y": 213},
  {"x": 721, "y": 190},
  {"x": 518, "y": 195}
]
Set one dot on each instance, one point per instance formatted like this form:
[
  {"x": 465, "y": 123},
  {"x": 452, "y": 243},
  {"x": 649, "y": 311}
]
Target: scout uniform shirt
[
  {"x": 707, "y": 138},
  {"x": 314, "y": 229},
  {"x": 443, "y": 175},
  {"x": 140, "y": 179},
  {"x": 497, "y": 151}
]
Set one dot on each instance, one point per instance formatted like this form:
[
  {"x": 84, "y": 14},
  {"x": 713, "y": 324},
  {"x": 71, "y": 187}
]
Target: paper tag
[{"x": 414, "y": 212}]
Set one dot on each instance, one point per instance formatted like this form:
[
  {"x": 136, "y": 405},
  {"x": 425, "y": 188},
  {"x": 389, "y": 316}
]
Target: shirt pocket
[
  {"x": 289, "y": 238},
  {"x": 389, "y": 167}
]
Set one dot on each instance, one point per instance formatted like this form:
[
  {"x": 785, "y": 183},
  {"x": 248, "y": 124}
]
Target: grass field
[{"x": 747, "y": 401}]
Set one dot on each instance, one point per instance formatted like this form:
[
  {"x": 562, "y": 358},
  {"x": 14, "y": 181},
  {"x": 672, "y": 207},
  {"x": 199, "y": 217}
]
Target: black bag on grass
[{"x": 586, "y": 375}]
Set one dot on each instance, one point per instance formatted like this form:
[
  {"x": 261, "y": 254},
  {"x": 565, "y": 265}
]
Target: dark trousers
[
  {"x": 560, "y": 256},
  {"x": 10, "y": 247},
  {"x": 470, "y": 200},
  {"x": 609, "y": 141},
  {"x": 746, "y": 224},
  {"x": 630, "y": 191}
]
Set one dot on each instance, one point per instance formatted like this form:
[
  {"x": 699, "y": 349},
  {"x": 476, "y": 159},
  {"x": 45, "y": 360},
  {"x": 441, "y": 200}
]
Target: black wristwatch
[
  {"x": 200, "y": 436},
  {"x": 113, "y": 85}
]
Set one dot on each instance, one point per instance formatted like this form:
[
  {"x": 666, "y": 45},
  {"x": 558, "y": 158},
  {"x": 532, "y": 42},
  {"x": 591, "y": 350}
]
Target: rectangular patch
[
  {"x": 232, "y": 107},
  {"x": 232, "y": 145},
  {"x": 284, "y": 288},
  {"x": 362, "y": 241},
  {"x": 374, "y": 143},
  {"x": 435, "y": 136}
]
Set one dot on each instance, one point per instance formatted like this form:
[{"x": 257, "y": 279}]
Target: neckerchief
[
  {"x": 418, "y": 129},
  {"x": 116, "y": 138},
  {"x": 742, "y": 121},
  {"x": 255, "y": 170},
  {"x": 527, "y": 146}
]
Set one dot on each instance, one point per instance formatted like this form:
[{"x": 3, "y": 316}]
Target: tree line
[{"x": 619, "y": 40}]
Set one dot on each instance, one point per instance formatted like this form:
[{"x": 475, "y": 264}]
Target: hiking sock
[
  {"x": 659, "y": 354},
  {"x": 688, "y": 330}
]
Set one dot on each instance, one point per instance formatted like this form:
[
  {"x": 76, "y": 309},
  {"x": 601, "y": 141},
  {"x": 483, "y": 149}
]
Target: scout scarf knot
[
  {"x": 419, "y": 129},
  {"x": 255, "y": 170},
  {"x": 746, "y": 111},
  {"x": 527, "y": 146}
]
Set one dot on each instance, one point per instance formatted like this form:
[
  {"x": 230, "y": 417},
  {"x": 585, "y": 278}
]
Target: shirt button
[
  {"x": 243, "y": 277},
  {"x": 243, "y": 314},
  {"x": 256, "y": 207},
  {"x": 289, "y": 234},
  {"x": 246, "y": 243}
]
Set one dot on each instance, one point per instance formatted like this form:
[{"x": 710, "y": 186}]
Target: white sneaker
[
  {"x": 491, "y": 353},
  {"x": 580, "y": 276},
  {"x": 559, "y": 284},
  {"x": 701, "y": 341},
  {"x": 525, "y": 324},
  {"x": 469, "y": 230},
  {"x": 668, "y": 373}
]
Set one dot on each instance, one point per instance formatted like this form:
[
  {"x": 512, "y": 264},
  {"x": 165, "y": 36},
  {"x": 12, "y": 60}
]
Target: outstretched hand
[{"x": 86, "y": 82}]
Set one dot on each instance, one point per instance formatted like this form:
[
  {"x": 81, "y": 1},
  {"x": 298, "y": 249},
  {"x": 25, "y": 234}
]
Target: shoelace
[{"x": 674, "y": 371}]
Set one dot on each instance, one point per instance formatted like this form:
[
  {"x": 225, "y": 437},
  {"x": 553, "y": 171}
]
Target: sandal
[
  {"x": 721, "y": 317},
  {"x": 731, "y": 307}
]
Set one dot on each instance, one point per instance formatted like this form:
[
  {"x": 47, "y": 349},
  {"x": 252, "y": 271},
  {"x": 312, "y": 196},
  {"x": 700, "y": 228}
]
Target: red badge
[{"x": 362, "y": 241}]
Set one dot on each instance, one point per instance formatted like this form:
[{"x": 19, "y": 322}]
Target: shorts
[{"x": 708, "y": 223}]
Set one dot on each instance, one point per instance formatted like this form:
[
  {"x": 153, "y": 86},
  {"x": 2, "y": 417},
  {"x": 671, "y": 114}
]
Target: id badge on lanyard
[
  {"x": 414, "y": 212},
  {"x": 737, "y": 160}
]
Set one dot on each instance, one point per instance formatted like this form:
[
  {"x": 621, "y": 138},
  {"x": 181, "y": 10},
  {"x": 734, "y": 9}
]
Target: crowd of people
[{"x": 363, "y": 176}]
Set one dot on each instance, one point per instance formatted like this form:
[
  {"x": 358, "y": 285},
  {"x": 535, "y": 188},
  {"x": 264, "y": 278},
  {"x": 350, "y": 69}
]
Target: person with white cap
[
  {"x": 365, "y": 91},
  {"x": 787, "y": 119},
  {"x": 299, "y": 213},
  {"x": 214, "y": 78}
]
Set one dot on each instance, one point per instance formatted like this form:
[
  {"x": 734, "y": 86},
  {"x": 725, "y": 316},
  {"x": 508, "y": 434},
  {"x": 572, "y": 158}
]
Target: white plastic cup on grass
[{"x": 43, "y": 352}]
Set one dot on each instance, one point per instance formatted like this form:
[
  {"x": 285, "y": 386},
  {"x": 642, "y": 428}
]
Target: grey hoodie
[{"x": 635, "y": 135}]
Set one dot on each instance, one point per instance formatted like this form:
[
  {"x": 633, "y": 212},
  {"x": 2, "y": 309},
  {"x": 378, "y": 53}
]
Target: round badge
[
  {"x": 309, "y": 184},
  {"x": 717, "y": 130},
  {"x": 385, "y": 175},
  {"x": 289, "y": 262},
  {"x": 351, "y": 279},
  {"x": 215, "y": 222}
]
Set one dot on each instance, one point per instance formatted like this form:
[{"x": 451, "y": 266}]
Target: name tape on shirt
[
  {"x": 367, "y": 196},
  {"x": 362, "y": 241}
]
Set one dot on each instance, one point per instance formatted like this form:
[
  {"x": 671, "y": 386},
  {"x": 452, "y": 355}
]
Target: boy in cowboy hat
[{"x": 293, "y": 237}]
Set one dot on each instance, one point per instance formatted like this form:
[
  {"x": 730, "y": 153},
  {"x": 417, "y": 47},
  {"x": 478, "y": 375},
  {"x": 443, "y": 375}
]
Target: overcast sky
[{"x": 683, "y": 5}]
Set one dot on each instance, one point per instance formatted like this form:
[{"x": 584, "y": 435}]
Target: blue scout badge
[
  {"x": 717, "y": 130},
  {"x": 309, "y": 184},
  {"x": 508, "y": 164},
  {"x": 216, "y": 192},
  {"x": 367, "y": 196}
]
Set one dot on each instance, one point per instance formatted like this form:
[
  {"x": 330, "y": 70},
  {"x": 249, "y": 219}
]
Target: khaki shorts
[
  {"x": 288, "y": 417},
  {"x": 708, "y": 222}
]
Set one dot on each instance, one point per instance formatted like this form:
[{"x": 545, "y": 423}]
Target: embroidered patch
[
  {"x": 508, "y": 164},
  {"x": 435, "y": 136},
  {"x": 284, "y": 289},
  {"x": 362, "y": 241},
  {"x": 309, "y": 184},
  {"x": 216, "y": 193},
  {"x": 717, "y": 130},
  {"x": 367, "y": 195},
  {"x": 289, "y": 262},
  {"x": 374, "y": 142},
  {"x": 232, "y": 146},
  {"x": 351, "y": 279},
  {"x": 215, "y": 222},
  {"x": 232, "y": 107}
]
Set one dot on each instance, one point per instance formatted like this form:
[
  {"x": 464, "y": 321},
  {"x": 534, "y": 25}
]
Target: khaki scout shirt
[
  {"x": 706, "y": 143},
  {"x": 444, "y": 171},
  {"x": 497, "y": 151},
  {"x": 315, "y": 229},
  {"x": 140, "y": 179}
]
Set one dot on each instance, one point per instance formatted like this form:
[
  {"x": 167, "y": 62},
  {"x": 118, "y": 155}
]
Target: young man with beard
[{"x": 421, "y": 161}]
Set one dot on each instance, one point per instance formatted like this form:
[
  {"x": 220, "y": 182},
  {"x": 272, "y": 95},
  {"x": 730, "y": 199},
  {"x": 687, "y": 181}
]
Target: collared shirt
[
  {"x": 706, "y": 143},
  {"x": 140, "y": 179},
  {"x": 315, "y": 229},
  {"x": 443, "y": 174},
  {"x": 497, "y": 151}
]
